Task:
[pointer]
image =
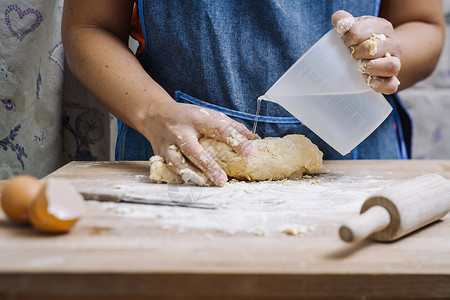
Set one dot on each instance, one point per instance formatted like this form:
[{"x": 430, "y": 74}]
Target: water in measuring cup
[{"x": 342, "y": 120}]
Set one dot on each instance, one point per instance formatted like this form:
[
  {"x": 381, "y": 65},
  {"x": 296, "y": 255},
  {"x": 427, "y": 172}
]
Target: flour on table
[
  {"x": 273, "y": 158},
  {"x": 261, "y": 208}
]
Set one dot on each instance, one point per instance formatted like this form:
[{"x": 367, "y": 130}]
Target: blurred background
[{"x": 47, "y": 118}]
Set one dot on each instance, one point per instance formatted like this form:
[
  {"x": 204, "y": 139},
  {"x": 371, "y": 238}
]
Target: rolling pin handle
[{"x": 360, "y": 227}]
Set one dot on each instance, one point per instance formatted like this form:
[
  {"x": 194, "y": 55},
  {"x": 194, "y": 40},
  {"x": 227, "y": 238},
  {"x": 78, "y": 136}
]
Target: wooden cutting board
[{"x": 238, "y": 250}]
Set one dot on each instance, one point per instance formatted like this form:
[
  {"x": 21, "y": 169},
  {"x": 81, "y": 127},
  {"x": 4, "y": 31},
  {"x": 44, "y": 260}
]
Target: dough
[
  {"x": 372, "y": 43},
  {"x": 160, "y": 172},
  {"x": 273, "y": 158}
]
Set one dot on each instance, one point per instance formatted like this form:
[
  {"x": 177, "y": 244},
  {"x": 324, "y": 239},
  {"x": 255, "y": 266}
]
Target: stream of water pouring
[{"x": 258, "y": 107}]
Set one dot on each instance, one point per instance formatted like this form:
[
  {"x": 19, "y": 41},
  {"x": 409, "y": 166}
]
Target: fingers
[
  {"x": 364, "y": 28},
  {"x": 223, "y": 129},
  {"x": 226, "y": 133},
  {"x": 382, "y": 67},
  {"x": 381, "y": 73},
  {"x": 180, "y": 165},
  {"x": 367, "y": 37},
  {"x": 385, "y": 85},
  {"x": 342, "y": 21},
  {"x": 179, "y": 143},
  {"x": 239, "y": 127},
  {"x": 217, "y": 126},
  {"x": 194, "y": 164},
  {"x": 195, "y": 153},
  {"x": 372, "y": 41},
  {"x": 375, "y": 47},
  {"x": 243, "y": 130}
]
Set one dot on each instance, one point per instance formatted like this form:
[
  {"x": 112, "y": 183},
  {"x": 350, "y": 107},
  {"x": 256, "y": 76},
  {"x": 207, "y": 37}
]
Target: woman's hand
[
  {"x": 373, "y": 42},
  {"x": 178, "y": 127}
]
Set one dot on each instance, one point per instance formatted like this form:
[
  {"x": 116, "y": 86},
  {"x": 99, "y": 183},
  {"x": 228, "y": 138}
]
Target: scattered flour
[{"x": 286, "y": 207}]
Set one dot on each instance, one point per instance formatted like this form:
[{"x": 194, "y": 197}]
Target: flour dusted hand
[
  {"x": 273, "y": 158},
  {"x": 375, "y": 45}
]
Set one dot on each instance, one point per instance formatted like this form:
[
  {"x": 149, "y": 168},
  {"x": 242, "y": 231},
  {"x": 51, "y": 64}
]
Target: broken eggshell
[{"x": 57, "y": 207}]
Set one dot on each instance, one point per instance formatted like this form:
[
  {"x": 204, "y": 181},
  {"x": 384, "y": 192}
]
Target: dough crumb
[
  {"x": 352, "y": 48},
  {"x": 190, "y": 176},
  {"x": 372, "y": 48},
  {"x": 373, "y": 44},
  {"x": 294, "y": 230},
  {"x": 124, "y": 210},
  {"x": 160, "y": 172},
  {"x": 234, "y": 140},
  {"x": 259, "y": 231},
  {"x": 166, "y": 227},
  {"x": 361, "y": 65},
  {"x": 312, "y": 227},
  {"x": 287, "y": 183},
  {"x": 372, "y": 83}
]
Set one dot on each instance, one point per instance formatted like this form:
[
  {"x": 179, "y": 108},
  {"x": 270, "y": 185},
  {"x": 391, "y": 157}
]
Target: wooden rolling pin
[{"x": 400, "y": 209}]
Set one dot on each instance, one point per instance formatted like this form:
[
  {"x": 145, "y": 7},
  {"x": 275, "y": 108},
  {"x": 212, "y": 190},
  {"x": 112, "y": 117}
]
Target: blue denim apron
[{"x": 224, "y": 54}]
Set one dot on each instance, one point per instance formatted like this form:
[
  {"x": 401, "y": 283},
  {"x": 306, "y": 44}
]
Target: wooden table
[{"x": 123, "y": 251}]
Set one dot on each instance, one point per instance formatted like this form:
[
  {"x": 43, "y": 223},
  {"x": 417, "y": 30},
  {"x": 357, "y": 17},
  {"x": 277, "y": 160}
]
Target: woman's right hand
[
  {"x": 95, "y": 35},
  {"x": 182, "y": 125}
]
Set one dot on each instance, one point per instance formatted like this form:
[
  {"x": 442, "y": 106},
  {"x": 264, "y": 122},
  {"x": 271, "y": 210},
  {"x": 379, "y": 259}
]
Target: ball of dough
[{"x": 273, "y": 158}]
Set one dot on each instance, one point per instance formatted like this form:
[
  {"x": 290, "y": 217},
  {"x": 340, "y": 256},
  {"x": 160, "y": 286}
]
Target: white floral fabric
[{"x": 46, "y": 117}]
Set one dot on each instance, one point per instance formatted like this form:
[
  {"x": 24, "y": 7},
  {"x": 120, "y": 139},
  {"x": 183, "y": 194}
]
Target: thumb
[{"x": 342, "y": 21}]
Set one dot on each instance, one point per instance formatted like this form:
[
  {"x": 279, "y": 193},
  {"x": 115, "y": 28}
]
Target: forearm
[
  {"x": 105, "y": 65},
  {"x": 421, "y": 46},
  {"x": 420, "y": 27}
]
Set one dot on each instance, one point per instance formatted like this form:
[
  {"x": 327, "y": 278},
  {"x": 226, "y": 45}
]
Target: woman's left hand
[{"x": 373, "y": 42}]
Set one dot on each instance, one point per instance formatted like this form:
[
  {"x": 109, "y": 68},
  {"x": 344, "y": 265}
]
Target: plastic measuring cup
[{"x": 326, "y": 92}]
